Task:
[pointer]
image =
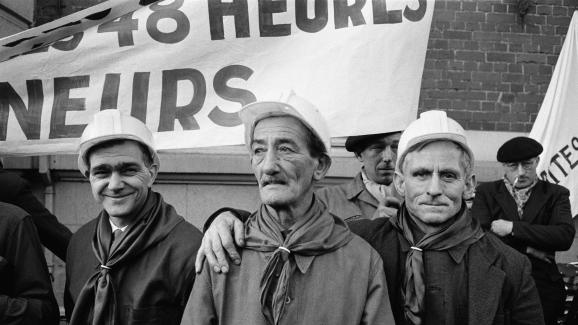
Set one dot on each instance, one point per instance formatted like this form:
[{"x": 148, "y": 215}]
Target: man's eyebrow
[
  {"x": 285, "y": 141},
  {"x": 118, "y": 166}
]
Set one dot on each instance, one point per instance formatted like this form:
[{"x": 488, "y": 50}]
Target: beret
[
  {"x": 358, "y": 143},
  {"x": 519, "y": 149}
]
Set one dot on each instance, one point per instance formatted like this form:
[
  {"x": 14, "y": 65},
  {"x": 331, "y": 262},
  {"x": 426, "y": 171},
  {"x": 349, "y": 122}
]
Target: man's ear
[
  {"x": 153, "y": 171},
  {"x": 470, "y": 190},
  {"x": 324, "y": 162},
  {"x": 399, "y": 181}
]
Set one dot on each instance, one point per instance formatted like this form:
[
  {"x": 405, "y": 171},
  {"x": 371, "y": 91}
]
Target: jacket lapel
[
  {"x": 357, "y": 189},
  {"x": 537, "y": 199},
  {"x": 506, "y": 202},
  {"x": 485, "y": 285}
]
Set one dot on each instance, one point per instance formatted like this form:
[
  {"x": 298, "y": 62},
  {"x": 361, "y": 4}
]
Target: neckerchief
[
  {"x": 465, "y": 230},
  {"x": 378, "y": 191},
  {"x": 520, "y": 195},
  {"x": 97, "y": 301},
  {"x": 315, "y": 233}
]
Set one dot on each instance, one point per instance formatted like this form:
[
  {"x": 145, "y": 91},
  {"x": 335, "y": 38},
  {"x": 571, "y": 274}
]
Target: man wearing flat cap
[
  {"x": 371, "y": 193},
  {"x": 132, "y": 264},
  {"x": 531, "y": 215}
]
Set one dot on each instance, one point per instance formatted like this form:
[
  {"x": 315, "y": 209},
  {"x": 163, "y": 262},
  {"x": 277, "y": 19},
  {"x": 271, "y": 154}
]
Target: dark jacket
[
  {"x": 547, "y": 224},
  {"x": 151, "y": 288},
  {"x": 500, "y": 288},
  {"x": 350, "y": 201},
  {"x": 26, "y": 296},
  {"x": 54, "y": 235}
]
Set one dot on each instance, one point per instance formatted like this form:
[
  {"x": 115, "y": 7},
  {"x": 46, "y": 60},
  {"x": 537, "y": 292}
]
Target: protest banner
[
  {"x": 555, "y": 126},
  {"x": 186, "y": 68}
]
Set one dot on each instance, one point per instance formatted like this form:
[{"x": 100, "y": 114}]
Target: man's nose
[
  {"x": 434, "y": 187},
  {"x": 269, "y": 164},
  {"x": 115, "y": 182},
  {"x": 387, "y": 154},
  {"x": 521, "y": 170}
]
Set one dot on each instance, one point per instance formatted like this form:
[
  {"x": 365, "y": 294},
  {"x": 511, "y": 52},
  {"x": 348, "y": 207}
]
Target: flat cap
[
  {"x": 358, "y": 143},
  {"x": 519, "y": 149}
]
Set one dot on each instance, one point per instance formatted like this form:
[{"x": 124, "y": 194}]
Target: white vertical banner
[{"x": 556, "y": 126}]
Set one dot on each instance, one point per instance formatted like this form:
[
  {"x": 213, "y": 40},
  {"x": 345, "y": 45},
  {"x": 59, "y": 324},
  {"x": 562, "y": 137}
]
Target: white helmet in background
[
  {"x": 112, "y": 124},
  {"x": 431, "y": 126}
]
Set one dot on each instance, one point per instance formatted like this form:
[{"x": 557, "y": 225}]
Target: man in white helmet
[
  {"x": 132, "y": 263},
  {"x": 441, "y": 268},
  {"x": 301, "y": 264}
]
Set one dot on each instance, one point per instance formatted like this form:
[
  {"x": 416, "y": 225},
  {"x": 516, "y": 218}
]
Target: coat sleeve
[
  {"x": 481, "y": 210},
  {"x": 240, "y": 214},
  {"x": 557, "y": 235},
  {"x": 54, "y": 235},
  {"x": 200, "y": 309},
  {"x": 31, "y": 300},
  {"x": 377, "y": 306},
  {"x": 526, "y": 307}
]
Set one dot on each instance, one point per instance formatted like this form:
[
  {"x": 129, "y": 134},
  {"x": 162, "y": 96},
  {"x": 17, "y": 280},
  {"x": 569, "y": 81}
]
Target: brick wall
[{"x": 488, "y": 66}]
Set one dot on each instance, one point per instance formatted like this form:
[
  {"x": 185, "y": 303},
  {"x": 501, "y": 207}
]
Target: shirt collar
[{"x": 114, "y": 227}]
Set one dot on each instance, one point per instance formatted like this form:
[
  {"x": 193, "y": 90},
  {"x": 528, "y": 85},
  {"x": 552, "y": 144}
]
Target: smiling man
[
  {"x": 131, "y": 264},
  {"x": 301, "y": 264},
  {"x": 531, "y": 215}
]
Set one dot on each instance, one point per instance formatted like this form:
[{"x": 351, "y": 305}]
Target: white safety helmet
[
  {"x": 111, "y": 124},
  {"x": 288, "y": 105},
  {"x": 431, "y": 126}
]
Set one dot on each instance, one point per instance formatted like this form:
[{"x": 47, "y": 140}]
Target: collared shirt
[{"x": 114, "y": 227}]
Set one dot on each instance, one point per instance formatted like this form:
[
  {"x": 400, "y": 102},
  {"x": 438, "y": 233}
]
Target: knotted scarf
[
  {"x": 463, "y": 231},
  {"x": 97, "y": 301},
  {"x": 520, "y": 195},
  {"x": 315, "y": 233}
]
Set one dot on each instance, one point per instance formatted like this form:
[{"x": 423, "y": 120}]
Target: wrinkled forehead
[
  {"x": 435, "y": 154},
  {"x": 279, "y": 127}
]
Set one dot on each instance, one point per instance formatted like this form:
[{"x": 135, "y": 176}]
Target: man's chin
[{"x": 385, "y": 179}]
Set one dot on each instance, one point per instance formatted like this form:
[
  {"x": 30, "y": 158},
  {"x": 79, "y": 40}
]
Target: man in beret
[
  {"x": 530, "y": 215},
  {"x": 370, "y": 194}
]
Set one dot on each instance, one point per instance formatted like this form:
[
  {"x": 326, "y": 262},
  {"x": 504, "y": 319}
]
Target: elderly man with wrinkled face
[
  {"x": 530, "y": 215},
  {"x": 300, "y": 263},
  {"x": 441, "y": 268}
]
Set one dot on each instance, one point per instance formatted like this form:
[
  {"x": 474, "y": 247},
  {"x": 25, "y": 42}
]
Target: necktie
[{"x": 116, "y": 236}]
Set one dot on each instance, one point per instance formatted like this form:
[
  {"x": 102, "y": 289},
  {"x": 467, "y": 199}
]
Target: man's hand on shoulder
[
  {"x": 388, "y": 207},
  {"x": 502, "y": 227},
  {"x": 218, "y": 239}
]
